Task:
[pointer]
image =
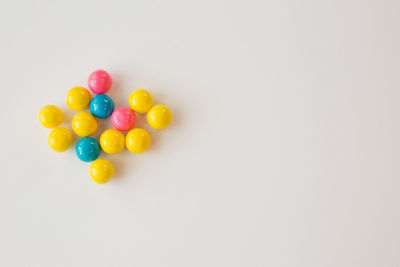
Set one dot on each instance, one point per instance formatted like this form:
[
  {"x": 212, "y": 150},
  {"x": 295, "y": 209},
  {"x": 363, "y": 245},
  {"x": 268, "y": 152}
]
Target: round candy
[
  {"x": 84, "y": 124},
  {"x": 101, "y": 171},
  {"x": 159, "y": 117},
  {"x": 112, "y": 141},
  {"x": 99, "y": 82},
  {"x": 123, "y": 119},
  {"x": 102, "y": 106},
  {"x": 60, "y": 139},
  {"x": 140, "y": 101},
  {"x": 87, "y": 149},
  {"x": 50, "y": 116},
  {"x": 78, "y": 98},
  {"x": 138, "y": 140}
]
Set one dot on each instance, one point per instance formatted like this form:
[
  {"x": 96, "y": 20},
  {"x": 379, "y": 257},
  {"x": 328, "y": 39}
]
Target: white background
[{"x": 284, "y": 149}]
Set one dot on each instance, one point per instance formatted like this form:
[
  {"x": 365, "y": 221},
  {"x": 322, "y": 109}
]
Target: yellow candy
[
  {"x": 138, "y": 140},
  {"x": 112, "y": 141},
  {"x": 50, "y": 116},
  {"x": 78, "y": 98},
  {"x": 101, "y": 171},
  {"x": 159, "y": 117},
  {"x": 84, "y": 124},
  {"x": 60, "y": 139},
  {"x": 140, "y": 100}
]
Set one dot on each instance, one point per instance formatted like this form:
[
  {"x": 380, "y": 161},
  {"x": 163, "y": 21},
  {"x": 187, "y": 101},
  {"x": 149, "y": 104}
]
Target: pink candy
[
  {"x": 123, "y": 119},
  {"x": 99, "y": 82}
]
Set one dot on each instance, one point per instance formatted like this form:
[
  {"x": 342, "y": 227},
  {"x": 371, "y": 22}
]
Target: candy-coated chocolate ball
[
  {"x": 87, "y": 149},
  {"x": 50, "y": 116},
  {"x": 99, "y": 82},
  {"x": 159, "y": 117},
  {"x": 101, "y": 171},
  {"x": 60, "y": 139},
  {"x": 102, "y": 106},
  {"x": 123, "y": 119},
  {"x": 84, "y": 124},
  {"x": 112, "y": 141},
  {"x": 140, "y": 101},
  {"x": 78, "y": 98},
  {"x": 138, "y": 140}
]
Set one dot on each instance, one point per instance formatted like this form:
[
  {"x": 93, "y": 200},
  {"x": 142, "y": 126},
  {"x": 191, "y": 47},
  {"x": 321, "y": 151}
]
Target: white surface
[{"x": 284, "y": 149}]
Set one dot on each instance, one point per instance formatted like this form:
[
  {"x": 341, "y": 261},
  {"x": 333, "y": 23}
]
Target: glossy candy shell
[
  {"x": 159, "y": 117},
  {"x": 101, "y": 171},
  {"x": 50, "y": 116},
  {"x": 102, "y": 106},
  {"x": 60, "y": 139},
  {"x": 100, "y": 82},
  {"x": 84, "y": 124},
  {"x": 112, "y": 141},
  {"x": 140, "y": 101},
  {"x": 138, "y": 140},
  {"x": 123, "y": 119},
  {"x": 87, "y": 149},
  {"x": 78, "y": 98}
]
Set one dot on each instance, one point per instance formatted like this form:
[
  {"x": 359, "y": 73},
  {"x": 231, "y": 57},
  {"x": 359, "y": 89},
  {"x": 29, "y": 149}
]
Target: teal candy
[
  {"x": 87, "y": 149},
  {"x": 102, "y": 106}
]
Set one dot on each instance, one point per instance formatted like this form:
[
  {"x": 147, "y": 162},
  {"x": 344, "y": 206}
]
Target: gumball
[
  {"x": 112, "y": 141},
  {"x": 159, "y": 117},
  {"x": 84, "y": 124},
  {"x": 140, "y": 101},
  {"x": 87, "y": 149},
  {"x": 123, "y": 119},
  {"x": 78, "y": 98},
  {"x": 102, "y": 106},
  {"x": 99, "y": 82},
  {"x": 50, "y": 116},
  {"x": 60, "y": 139},
  {"x": 138, "y": 140},
  {"x": 101, "y": 171}
]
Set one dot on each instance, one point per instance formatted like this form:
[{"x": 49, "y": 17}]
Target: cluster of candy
[{"x": 84, "y": 124}]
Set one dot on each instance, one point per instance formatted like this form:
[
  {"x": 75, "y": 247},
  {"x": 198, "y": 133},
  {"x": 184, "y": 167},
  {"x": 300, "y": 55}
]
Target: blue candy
[
  {"x": 87, "y": 149},
  {"x": 102, "y": 106}
]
